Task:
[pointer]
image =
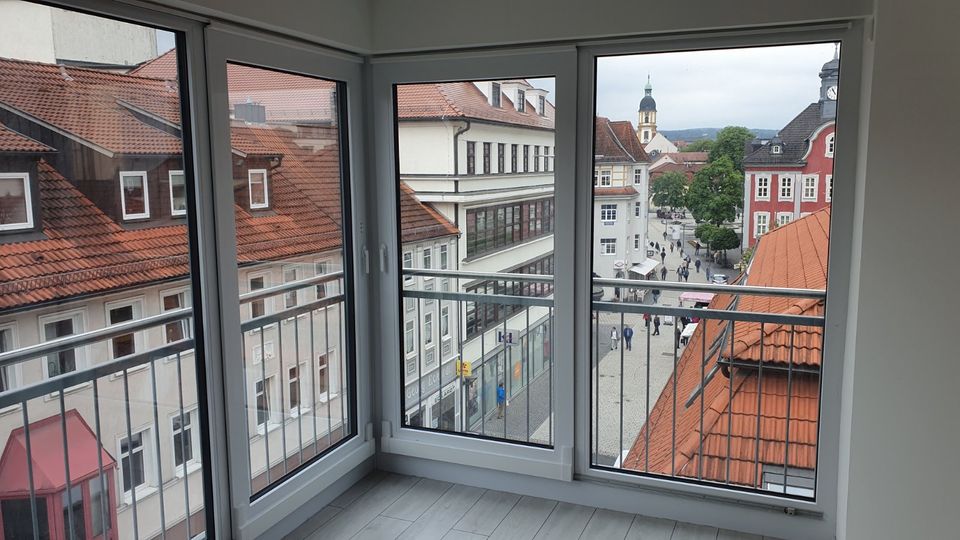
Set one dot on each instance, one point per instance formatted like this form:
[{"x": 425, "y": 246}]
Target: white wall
[
  {"x": 904, "y": 423},
  {"x": 30, "y": 38}
]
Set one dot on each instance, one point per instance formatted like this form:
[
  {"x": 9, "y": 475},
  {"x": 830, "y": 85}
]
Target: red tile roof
[
  {"x": 421, "y": 221},
  {"x": 793, "y": 255},
  {"x": 464, "y": 100},
  {"x": 616, "y": 141},
  {"x": 11, "y": 141},
  {"x": 625, "y": 191}
]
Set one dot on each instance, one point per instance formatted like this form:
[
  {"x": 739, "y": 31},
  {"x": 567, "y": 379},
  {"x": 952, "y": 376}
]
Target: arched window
[{"x": 830, "y": 145}]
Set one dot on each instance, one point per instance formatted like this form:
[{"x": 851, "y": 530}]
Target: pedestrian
[
  {"x": 663, "y": 273},
  {"x": 656, "y": 325},
  {"x": 686, "y": 274},
  {"x": 663, "y": 256},
  {"x": 707, "y": 270},
  {"x": 657, "y": 246},
  {"x": 501, "y": 400},
  {"x": 679, "y": 245},
  {"x": 646, "y": 320},
  {"x": 613, "y": 338},
  {"x": 664, "y": 236},
  {"x": 697, "y": 251},
  {"x": 679, "y": 273},
  {"x": 671, "y": 247},
  {"x": 697, "y": 264},
  {"x": 628, "y": 338},
  {"x": 656, "y": 295}
]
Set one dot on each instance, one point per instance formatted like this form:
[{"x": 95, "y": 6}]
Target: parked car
[{"x": 719, "y": 279}]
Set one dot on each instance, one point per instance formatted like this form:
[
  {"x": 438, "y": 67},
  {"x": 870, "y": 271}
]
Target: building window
[
  {"x": 16, "y": 208},
  {"x": 427, "y": 258},
  {"x": 636, "y": 209},
  {"x": 99, "y": 506},
  {"x": 7, "y": 374},
  {"x": 170, "y": 301},
  {"x": 646, "y": 136},
  {"x": 444, "y": 256},
  {"x": 608, "y": 246},
  {"x": 496, "y": 227},
  {"x": 117, "y": 313},
  {"x": 546, "y": 158},
  {"x": 134, "y": 195},
  {"x": 542, "y": 105},
  {"x": 763, "y": 188},
  {"x": 513, "y": 158},
  {"x": 258, "y": 188},
  {"x": 761, "y": 223},
  {"x": 608, "y": 213},
  {"x": 262, "y": 393},
  {"x": 445, "y": 321},
  {"x": 186, "y": 440},
  {"x": 636, "y": 242},
  {"x": 606, "y": 178},
  {"x": 293, "y": 384},
  {"x": 58, "y": 326},
  {"x": 638, "y": 176},
  {"x": 501, "y": 157},
  {"x": 258, "y": 308},
  {"x": 321, "y": 268},
  {"x": 786, "y": 188},
  {"x": 290, "y": 274},
  {"x": 536, "y": 158},
  {"x": 262, "y": 351},
  {"x": 471, "y": 157},
  {"x": 830, "y": 144},
  {"x": 408, "y": 337},
  {"x": 596, "y": 181},
  {"x": 133, "y": 462},
  {"x": 521, "y": 100},
  {"x": 486, "y": 158},
  {"x": 407, "y": 264},
  {"x": 776, "y": 149},
  {"x": 810, "y": 188},
  {"x": 427, "y": 329},
  {"x": 829, "y": 194},
  {"x": 783, "y": 218},
  {"x": 495, "y": 94},
  {"x": 178, "y": 193},
  {"x": 526, "y": 158},
  {"x": 323, "y": 376}
]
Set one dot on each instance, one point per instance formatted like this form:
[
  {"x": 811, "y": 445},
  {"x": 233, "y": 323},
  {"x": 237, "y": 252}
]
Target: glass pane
[
  {"x": 466, "y": 210},
  {"x": 93, "y": 186},
  {"x": 716, "y": 397},
  {"x": 290, "y": 195}
]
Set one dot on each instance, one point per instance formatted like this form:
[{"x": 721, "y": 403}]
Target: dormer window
[
  {"x": 16, "y": 208},
  {"x": 258, "y": 188},
  {"x": 178, "y": 193},
  {"x": 542, "y": 106},
  {"x": 776, "y": 149},
  {"x": 521, "y": 100},
  {"x": 495, "y": 94},
  {"x": 134, "y": 195}
]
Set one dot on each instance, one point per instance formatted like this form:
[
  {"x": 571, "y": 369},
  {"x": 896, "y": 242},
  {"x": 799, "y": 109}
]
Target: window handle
[{"x": 383, "y": 258}]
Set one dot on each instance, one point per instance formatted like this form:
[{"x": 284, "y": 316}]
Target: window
[
  {"x": 7, "y": 374},
  {"x": 294, "y": 386},
  {"x": 606, "y": 178},
  {"x": 596, "y": 181},
  {"x": 828, "y": 196},
  {"x": 408, "y": 337},
  {"x": 170, "y": 301},
  {"x": 513, "y": 158},
  {"x": 99, "y": 505},
  {"x": 830, "y": 144},
  {"x": 321, "y": 268},
  {"x": 16, "y": 207},
  {"x": 521, "y": 100},
  {"x": 133, "y": 462},
  {"x": 497, "y": 227},
  {"x": 542, "y": 105},
  {"x": 608, "y": 246},
  {"x": 428, "y": 258},
  {"x": 646, "y": 135},
  {"x": 258, "y": 351},
  {"x": 608, "y": 213},
  {"x": 290, "y": 298},
  {"x": 427, "y": 329},
  {"x": 323, "y": 375},
  {"x": 763, "y": 188},
  {"x": 134, "y": 195},
  {"x": 186, "y": 440},
  {"x": 783, "y": 218},
  {"x": 486, "y": 158},
  {"x": 258, "y": 308},
  {"x": 444, "y": 256},
  {"x": 501, "y": 157},
  {"x": 761, "y": 223},
  {"x": 536, "y": 158},
  {"x": 526, "y": 158},
  {"x": 786, "y": 188},
  {"x": 407, "y": 264},
  {"x": 121, "y": 312},
  {"x": 471, "y": 157},
  {"x": 72, "y": 506},
  {"x": 58, "y": 326},
  {"x": 636, "y": 242},
  {"x": 258, "y": 188},
  {"x": 445, "y": 322},
  {"x": 810, "y": 188},
  {"x": 262, "y": 394},
  {"x": 776, "y": 149},
  {"x": 178, "y": 193},
  {"x": 495, "y": 94},
  {"x": 636, "y": 209},
  {"x": 638, "y": 176}
]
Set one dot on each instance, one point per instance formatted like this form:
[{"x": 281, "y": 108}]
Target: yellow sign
[{"x": 463, "y": 368}]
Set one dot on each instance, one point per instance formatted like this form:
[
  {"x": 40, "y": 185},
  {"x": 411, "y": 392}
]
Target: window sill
[
  {"x": 272, "y": 426},
  {"x": 192, "y": 467},
  {"x": 296, "y": 413},
  {"x": 142, "y": 493},
  {"x": 257, "y": 330},
  {"x": 56, "y": 395}
]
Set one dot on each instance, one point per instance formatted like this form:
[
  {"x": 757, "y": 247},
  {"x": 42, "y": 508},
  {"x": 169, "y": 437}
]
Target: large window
[
  {"x": 258, "y": 189},
  {"x": 134, "y": 195},
  {"x": 16, "y": 207},
  {"x": 497, "y": 227},
  {"x": 178, "y": 193},
  {"x": 134, "y": 465}
]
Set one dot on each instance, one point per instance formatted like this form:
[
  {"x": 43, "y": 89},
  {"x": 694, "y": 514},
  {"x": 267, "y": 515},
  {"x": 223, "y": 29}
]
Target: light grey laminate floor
[{"x": 387, "y": 506}]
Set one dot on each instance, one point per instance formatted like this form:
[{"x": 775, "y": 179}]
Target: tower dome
[{"x": 648, "y": 103}]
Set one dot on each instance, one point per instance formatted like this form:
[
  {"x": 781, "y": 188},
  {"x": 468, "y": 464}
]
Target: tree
[
  {"x": 716, "y": 192},
  {"x": 699, "y": 145},
  {"x": 704, "y": 232},
  {"x": 724, "y": 239},
  {"x": 670, "y": 189},
  {"x": 730, "y": 143}
]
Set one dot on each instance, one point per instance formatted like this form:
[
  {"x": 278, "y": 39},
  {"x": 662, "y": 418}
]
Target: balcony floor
[{"x": 389, "y": 506}]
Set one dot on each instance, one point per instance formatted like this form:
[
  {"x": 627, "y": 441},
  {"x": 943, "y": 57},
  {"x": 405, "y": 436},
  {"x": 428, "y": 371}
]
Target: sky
[{"x": 760, "y": 87}]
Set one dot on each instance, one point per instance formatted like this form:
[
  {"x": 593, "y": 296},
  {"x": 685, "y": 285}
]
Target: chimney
[{"x": 250, "y": 112}]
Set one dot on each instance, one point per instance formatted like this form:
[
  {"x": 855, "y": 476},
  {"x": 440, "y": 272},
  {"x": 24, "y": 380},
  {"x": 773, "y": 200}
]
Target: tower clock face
[{"x": 832, "y": 92}]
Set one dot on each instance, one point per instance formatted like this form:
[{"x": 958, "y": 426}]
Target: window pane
[
  {"x": 460, "y": 354},
  {"x": 717, "y": 400},
  {"x": 289, "y": 186}
]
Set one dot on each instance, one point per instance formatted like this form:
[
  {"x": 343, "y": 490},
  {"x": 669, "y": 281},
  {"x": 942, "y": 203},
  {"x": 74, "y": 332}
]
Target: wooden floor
[{"x": 392, "y": 506}]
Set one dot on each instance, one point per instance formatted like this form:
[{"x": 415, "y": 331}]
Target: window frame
[
  {"x": 789, "y": 179},
  {"x": 266, "y": 190},
  {"x": 78, "y": 316},
  {"x": 148, "y": 487},
  {"x": 30, "y": 224},
  {"x": 170, "y": 175},
  {"x": 196, "y": 460},
  {"x": 146, "y": 196},
  {"x": 816, "y": 188},
  {"x": 604, "y": 244},
  {"x": 136, "y": 304},
  {"x": 608, "y": 213},
  {"x": 765, "y": 186},
  {"x": 756, "y": 223}
]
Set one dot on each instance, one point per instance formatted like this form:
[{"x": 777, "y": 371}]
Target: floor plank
[
  {"x": 726, "y": 534},
  {"x": 354, "y": 492},
  {"x": 524, "y": 520},
  {"x": 304, "y": 530},
  {"x": 488, "y": 512},
  {"x": 365, "y": 508},
  {"x": 454, "y": 534},
  {"x": 443, "y": 514},
  {"x": 689, "y": 531},
  {"x": 607, "y": 524},
  {"x": 382, "y": 528},
  {"x": 420, "y": 497},
  {"x": 648, "y": 528},
  {"x": 567, "y": 521}
]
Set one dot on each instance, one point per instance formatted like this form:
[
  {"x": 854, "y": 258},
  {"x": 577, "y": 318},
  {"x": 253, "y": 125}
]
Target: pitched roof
[
  {"x": 11, "y": 141},
  {"x": 616, "y": 141},
  {"x": 688, "y": 168},
  {"x": 684, "y": 157},
  {"x": 793, "y": 255},
  {"x": 795, "y": 138},
  {"x": 421, "y": 221},
  {"x": 624, "y": 191},
  {"x": 431, "y": 101}
]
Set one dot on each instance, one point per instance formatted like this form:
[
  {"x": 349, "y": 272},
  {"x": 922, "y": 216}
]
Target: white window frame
[
  {"x": 78, "y": 316},
  {"x": 14, "y": 373},
  {"x": 274, "y": 418},
  {"x": 828, "y": 196},
  {"x": 136, "y": 305},
  {"x": 604, "y": 243},
  {"x": 410, "y": 337},
  {"x": 637, "y": 176},
  {"x": 426, "y": 257},
  {"x": 637, "y": 209},
  {"x": 444, "y": 322},
  {"x": 816, "y": 188},
  {"x": 830, "y": 145},
  {"x": 170, "y": 175},
  {"x": 148, "y": 487},
  {"x": 427, "y": 330},
  {"x": 407, "y": 263},
  {"x": 784, "y": 218},
  {"x": 304, "y": 391},
  {"x": 761, "y": 182},
  {"x": 606, "y": 177},
  {"x": 146, "y": 195},
  {"x": 27, "y": 198},
  {"x": 756, "y": 223},
  {"x": 266, "y": 189},
  {"x": 185, "y": 302},
  {"x": 637, "y": 243},
  {"x": 296, "y": 294},
  {"x": 785, "y": 181},
  {"x": 267, "y": 302},
  {"x": 444, "y": 255},
  {"x": 608, "y": 213},
  {"x": 193, "y": 464}
]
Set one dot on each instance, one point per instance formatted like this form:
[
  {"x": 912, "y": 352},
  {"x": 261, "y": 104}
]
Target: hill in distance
[{"x": 692, "y": 134}]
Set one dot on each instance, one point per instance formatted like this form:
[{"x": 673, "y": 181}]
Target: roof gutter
[{"x": 456, "y": 153}]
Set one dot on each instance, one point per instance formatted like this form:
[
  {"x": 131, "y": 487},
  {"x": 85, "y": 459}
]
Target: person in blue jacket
[
  {"x": 628, "y": 338},
  {"x": 501, "y": 400}
]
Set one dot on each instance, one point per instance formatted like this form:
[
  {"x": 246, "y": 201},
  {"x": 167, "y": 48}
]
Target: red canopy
[{"x": 46, "y": 459}]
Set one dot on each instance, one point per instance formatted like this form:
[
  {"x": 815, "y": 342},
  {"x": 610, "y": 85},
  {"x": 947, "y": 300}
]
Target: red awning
[{"x": 46, "y": 459}]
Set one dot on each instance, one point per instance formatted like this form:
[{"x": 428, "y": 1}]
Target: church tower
[
  {"x": 829, "y": 78},
  {"x": 647, "y": 115}
]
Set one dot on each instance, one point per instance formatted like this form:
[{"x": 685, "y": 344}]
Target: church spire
[{"x": 648, "y": 89}]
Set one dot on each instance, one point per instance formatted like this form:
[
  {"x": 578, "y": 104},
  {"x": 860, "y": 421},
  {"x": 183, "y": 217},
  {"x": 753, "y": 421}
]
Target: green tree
[
  {"x": 724, "y": 239},
  {"x": 704, "y": 232},
  {"x": 716, "y": 192},
  {"x": 699, "y": 145},
  {"x": 670, "y": 189},
  {"x": 730, "y": 143}
]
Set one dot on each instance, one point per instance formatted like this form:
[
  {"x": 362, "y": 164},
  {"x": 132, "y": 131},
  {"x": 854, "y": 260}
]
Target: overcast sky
[{"x": 761, "y": 87}]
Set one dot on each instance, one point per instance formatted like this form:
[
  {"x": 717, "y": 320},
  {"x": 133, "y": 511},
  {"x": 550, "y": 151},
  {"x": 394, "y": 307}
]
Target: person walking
[
  {"x": 697, "y": 264},
  {"x": 646, "y": 320},
  {"x": 656, "y": 295},
  {"x": 686, "y": 274},
  {"x": 663, "y": 256},
  {"x": 671, "y": 247},
  {"x": 680, "y": 273},
  {"x": 707, "y": 270},
  {"x": 663, "y": 273},
  {"x": 614, "y": 337},
  {"x": 697, "y": 246},
  {"x": 664, "y": 236},
  {"x": 679, "y": 245},
  {"x": 657, "y": 246},
  {"x": 656, "y": 325},
  {"x": 501, "y": 400},
  {"x": 628, "y": 338}
]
